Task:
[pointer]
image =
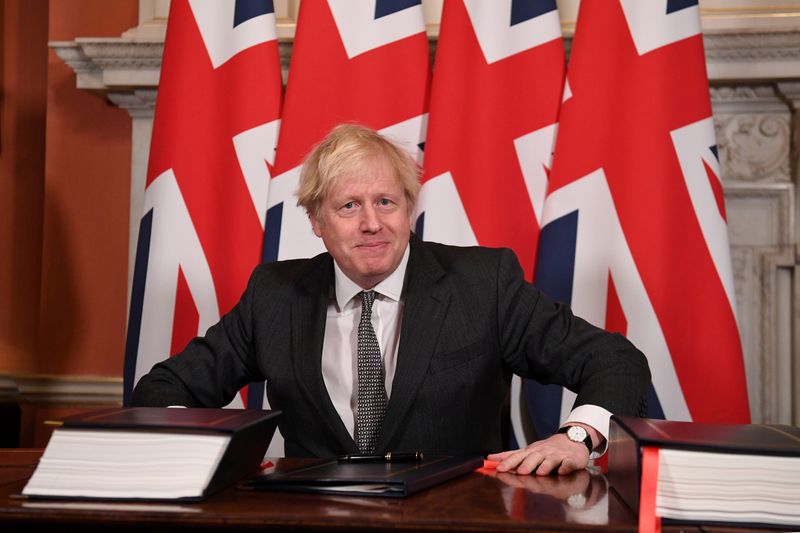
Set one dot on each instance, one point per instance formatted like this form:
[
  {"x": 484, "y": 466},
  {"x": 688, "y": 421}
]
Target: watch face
[
  {"x": 576, "y": 501},
  {"x": 577, "y": 434}
]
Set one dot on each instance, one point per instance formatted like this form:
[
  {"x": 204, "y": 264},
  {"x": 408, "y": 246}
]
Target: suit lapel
[
  {"x": 426, "y": 303},
  {"x": 308, "y": 333}
]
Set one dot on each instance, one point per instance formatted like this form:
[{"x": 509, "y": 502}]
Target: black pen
[{"x": 389, "y": 457}]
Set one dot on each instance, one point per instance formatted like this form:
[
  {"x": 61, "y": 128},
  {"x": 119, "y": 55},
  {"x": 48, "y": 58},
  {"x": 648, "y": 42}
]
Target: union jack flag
[
  {"x": 634, "y": 234},
  {"x": 496, "y": 91},
  {"x": 214, "y": 134}
]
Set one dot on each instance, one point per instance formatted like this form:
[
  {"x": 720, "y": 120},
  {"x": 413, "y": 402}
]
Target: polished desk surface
[{"x": 475, "y": 502}]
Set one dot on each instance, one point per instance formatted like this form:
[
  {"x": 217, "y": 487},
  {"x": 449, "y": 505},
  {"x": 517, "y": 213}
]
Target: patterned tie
[{"x": 371, "y": 402}]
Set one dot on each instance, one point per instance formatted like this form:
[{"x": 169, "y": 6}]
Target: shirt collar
[{"x": 391, "y": 287}]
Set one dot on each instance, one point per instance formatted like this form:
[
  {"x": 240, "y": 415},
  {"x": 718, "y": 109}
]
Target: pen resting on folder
[{"x": 388, "y": 457}]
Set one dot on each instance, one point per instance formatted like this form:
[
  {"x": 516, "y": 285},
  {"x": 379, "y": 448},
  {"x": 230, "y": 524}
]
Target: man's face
[{"x": 365, "y": 223}]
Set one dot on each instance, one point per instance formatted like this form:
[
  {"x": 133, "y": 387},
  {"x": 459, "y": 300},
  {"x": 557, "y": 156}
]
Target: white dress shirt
[{"x": 339, "y": 359}]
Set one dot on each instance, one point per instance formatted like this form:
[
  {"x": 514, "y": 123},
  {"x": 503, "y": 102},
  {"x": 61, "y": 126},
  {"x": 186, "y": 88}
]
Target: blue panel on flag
[
  {"x": 522, "y": 10},
  {"x": 137, "y": 304},
  {"x": 419, "y": 227},
  {"x": 654, "y": 409},
  {"x": 544, "y": 406},
  {"x": 255, "y": 395},
  {"x": 714, "y": 151},
  {"x": 677, "y": 5},
  {"x": 389, "y": 7},
  {"x": 555, "y": 266},
  {"x": 272, "y": 234},
  {"x": 245, "y": 10}
]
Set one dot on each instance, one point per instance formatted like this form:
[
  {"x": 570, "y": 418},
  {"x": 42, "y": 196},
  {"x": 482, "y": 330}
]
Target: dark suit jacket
[{"x": 469, "y": 322}]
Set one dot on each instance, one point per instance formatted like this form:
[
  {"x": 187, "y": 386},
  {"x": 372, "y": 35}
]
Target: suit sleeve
[
  {"x": 212, "y": 368},
  {"x": 544, "y": 340}
]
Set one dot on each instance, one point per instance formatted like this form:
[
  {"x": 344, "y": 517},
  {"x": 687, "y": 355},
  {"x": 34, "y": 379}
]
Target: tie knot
[{"x": 367, "y": 297}]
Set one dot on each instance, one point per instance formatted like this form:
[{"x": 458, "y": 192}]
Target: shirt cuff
[{"x": 595, "y": 416}]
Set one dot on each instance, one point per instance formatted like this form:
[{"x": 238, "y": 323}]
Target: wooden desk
[{"x": 476, "y": 502}]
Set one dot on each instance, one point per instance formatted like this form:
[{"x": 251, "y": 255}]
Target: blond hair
[{"x": 345, "y": 150}]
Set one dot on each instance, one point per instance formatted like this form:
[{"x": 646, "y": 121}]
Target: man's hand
[{"x": 555, "y": 453}]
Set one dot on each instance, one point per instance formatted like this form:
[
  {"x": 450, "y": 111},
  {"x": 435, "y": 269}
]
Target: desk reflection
[{"x": 582, "y": 497}]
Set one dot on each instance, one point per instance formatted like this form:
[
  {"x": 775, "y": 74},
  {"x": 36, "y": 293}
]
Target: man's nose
[{"x": 370, "y": 221}]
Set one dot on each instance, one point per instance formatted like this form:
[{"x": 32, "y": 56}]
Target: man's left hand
[{"x": 555, "y": 453}]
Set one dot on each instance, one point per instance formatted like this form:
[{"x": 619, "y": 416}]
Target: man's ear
[{"x": 316, "y": 224}]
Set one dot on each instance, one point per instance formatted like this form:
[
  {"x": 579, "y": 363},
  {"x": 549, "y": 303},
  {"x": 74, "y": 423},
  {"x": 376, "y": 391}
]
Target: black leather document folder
[
  {"x": 151, "y": 453},
  {"x": 395, "y": 480},
  {"x": 730, "y": 474}
]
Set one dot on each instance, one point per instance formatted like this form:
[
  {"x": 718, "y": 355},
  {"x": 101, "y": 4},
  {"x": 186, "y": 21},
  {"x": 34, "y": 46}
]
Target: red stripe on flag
[
  {"x": 716, "y": 188},
  {"x": 187, "y": 319},
  {"x": 615, "y": 316}
]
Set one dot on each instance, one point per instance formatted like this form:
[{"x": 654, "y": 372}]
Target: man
[{"x": 386, "y": 342}]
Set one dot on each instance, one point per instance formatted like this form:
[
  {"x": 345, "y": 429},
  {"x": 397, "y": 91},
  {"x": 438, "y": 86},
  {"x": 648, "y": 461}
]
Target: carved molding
[
  {"x": 795, "y": 332},
  {"x": 754, "y": 147},
  {"x": 773, "y": 55},
  {"x": 139, "y": 103},
  {"x": 776, "y": 385},
  {"x": 761, "y": 227},
  {"x": 781, "y": 46},
  {"x": 108, "y": 64},
  {"x": 750, "y": 98},
  {"x": 791, "y": 91},
  {"x": 760, "y": 215}
]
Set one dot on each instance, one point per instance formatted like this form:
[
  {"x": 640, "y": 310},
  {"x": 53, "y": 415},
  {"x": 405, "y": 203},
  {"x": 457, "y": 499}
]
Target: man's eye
[
  {"x": 348, "y": 205},
  {"x": 384, "y": 201}
]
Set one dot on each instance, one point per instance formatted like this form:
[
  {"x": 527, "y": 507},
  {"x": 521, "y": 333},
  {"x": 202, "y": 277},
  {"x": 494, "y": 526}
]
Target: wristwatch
[{"x": 577, "y": 434}]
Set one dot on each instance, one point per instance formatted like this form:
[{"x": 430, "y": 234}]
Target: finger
[
  {"x": 530, "y": 464},
  {"x": 547, "y": 465},
  {"x": 572, "y": 463},
  {"x": 499, "y": 456},
  {"x": 511, "y": 461},
  {"x": 568, "y": 465}
]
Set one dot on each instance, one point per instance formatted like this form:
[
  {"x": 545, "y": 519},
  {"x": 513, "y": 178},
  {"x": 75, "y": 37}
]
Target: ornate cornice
[
  {"x": 138, "y": 103},
  {"x": 753, "y": 55},
  {"x": 744, "y": 99},
  {"x": 108, "y": 64},
  {"x": 752, "y": 46},
  {"x": 111, "y": 65}
]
